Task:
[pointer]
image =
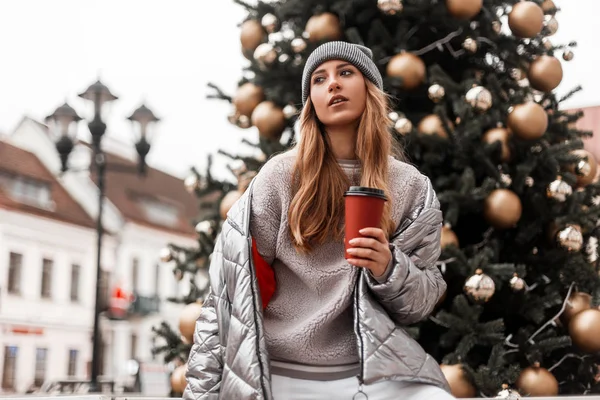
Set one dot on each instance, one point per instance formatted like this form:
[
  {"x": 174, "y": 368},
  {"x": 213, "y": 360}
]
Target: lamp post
[{"x": 64, "y": 123}]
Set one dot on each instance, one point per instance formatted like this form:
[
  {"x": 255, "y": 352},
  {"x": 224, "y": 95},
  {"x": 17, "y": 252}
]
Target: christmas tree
[{"x": 471, "y": 84}]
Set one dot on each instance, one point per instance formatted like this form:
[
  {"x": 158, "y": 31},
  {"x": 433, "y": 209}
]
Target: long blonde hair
[{"x": 316, "y": 211}]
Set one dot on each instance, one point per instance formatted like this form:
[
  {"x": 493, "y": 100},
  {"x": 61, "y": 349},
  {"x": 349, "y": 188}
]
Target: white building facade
[{"x": 141, "y": 217}]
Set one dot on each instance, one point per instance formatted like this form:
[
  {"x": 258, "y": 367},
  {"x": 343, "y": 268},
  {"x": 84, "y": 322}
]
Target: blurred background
[{"x": 157, "y": 57}]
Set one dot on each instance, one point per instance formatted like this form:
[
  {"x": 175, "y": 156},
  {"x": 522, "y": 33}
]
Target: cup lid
[{"x": 365, "y": 191}]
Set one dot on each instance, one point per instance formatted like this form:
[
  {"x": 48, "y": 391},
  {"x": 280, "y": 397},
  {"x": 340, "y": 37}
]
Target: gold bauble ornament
[
  {"x": 549, "y": 7},
  {"x": 470, "y": 45},
  {"x": 568, "y": 55},
  {"x": 528, "y": 121},
  {"x": 436, "y": 92},
  {"x": 187, "y": 320},
  {"x": 502, "y": 209},
  {"x": 517, "y": 284},
  {"x": 479, "y": 98},
  {"x": 460, "y": 386},
  {"x": 403, "y": 126},
  {"x": 448, "y": 238},
  {"x": 432, "y": 125},
  {"x": 464, "y": 9},
  {"x": 526, "y": 19},
  {"x": 265, "y": 55},
  {"x": 228, "y": 202},
  {"x": 325, "y": 26},
  {"x": 545, "y": 73},
  {"x": 501, "y": 135},
  {"x": 559, "y": 190},
  {"x": 586, "y": 168},
  {"x": 247, "y": 97},
  {"x": 508, "y": 394},
  {"x": 390, "y": 7},
  {"x": 570, "y": 238},
  {"x": 269, "y": 119},
  {"x": 252, "y": 34},
  {"x": 409, "y": 67},
  {"x": 178, "y": 380},
  {"x": 578, "y": 301},
  {"x": 536, "y": 381},
  {"x": 479, "y": 287},
  {"x": 584, "y": 330}
]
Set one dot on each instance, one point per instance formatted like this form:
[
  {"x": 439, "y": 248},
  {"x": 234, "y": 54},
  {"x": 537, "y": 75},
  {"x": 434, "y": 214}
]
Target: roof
[
  {"x": 17, "y": 162},
  {"x": 590, "y": 121},
  {"x": 128, "y": 192}
]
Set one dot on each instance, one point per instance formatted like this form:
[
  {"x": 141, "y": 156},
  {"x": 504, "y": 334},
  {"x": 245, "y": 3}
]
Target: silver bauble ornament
[
  {"x": 298, "y": 45},
  {"x": 480, "y": 287},
  {"x": 517, "y": 284},
  {"x": 559, "y": 190},
  {"x": 269, "y": 22},
  {"x": 551, "y": 25},
  {"x": 570, "y": 238},
  {"x": 205, "y": 227},
  {"x": 436, "y": 92},
  {"x": 265, "y": 54},
  {"x": 470, "y": 45},
  {"x": 508, "y": 394},
  {"x": 403, "y": 126},
  {"x": 479, "y": 98},
  {"x": 191, "y": 183},
  {"x": 165, "y": 254},
  {"x": 289, "y": 111},
  {"x": 390, "y": 7}
]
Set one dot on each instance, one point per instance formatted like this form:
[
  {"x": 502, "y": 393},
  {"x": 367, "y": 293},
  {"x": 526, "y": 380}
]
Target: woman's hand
[{"x": 372, "y": 252}]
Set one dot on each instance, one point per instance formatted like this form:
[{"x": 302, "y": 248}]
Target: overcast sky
[{"x": 166, "y": 52}]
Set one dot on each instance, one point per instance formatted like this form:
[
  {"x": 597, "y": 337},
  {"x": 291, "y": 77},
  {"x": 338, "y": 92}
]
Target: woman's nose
[{"x": 334, "y": 85}]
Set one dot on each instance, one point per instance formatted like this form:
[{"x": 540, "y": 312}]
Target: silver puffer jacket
[{"x": 229, "y": 358}]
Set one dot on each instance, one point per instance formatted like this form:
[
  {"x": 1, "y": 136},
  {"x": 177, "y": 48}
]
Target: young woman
[{"x": 289, "y": 316}]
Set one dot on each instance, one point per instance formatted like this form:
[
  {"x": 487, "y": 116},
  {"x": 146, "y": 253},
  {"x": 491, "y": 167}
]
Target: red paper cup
[{"x": 364, "y": 209}]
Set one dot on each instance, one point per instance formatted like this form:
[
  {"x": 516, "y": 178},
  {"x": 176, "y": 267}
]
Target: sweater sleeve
[
  {"x": 414, "y": 284},
  {"x": 265, "y": 217}
]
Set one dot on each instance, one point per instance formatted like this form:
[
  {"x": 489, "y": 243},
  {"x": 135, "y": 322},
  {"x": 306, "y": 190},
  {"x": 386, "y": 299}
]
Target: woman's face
[{"x": 338, "y": 93}]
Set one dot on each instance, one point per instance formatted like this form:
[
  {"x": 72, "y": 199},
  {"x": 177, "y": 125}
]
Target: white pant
[{"x": 285, "y": 388}]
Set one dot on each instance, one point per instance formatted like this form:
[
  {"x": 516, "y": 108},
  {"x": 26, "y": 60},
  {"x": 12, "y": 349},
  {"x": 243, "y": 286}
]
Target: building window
[
  {"x": 28, "y": 191},
  {"x": 46, "y": 291},
  {"x": 10, "y": 367},
  {"x": 75, "y": 272},
  {"x": 134, "y": 340},
  {"x": 41, "y": 358},
  {"x": 135, "y": 270},
  {"x": 15, "y": 264},
  {"x": 159, "y": 212},
  {"x": 72, "y": 368}
]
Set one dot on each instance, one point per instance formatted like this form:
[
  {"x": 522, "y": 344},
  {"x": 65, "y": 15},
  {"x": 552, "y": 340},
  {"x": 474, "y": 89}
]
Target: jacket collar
[{"x": 239, "y": 214}]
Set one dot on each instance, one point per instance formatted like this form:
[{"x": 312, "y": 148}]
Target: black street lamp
[{"x": 64, "y": 122}]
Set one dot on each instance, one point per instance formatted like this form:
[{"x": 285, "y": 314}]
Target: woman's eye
[
  {"x": 346, "y": 72},
  {"x": 318, "y": 79}
]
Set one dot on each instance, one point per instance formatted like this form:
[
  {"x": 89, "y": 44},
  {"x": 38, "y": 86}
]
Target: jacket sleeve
[
  {"x": 205, "y": 364},
  {"x": 414, "y": 284}
]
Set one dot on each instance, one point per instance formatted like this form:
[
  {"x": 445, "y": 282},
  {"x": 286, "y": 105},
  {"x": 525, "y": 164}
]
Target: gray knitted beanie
[{"x": 359, "y": 56}]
